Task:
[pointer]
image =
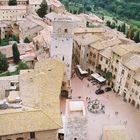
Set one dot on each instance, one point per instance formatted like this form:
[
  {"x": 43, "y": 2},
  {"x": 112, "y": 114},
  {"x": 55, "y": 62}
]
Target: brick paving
[{"x": 127, "y": 114}]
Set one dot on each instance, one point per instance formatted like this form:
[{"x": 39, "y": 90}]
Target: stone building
[
  {"x": 39, "y": 115},
  {"x": 75, "y": 127},
  {"x": 19, "y": 2},
  {"x": 12, "y": 12},
  {"x": 62, "y": 43}
]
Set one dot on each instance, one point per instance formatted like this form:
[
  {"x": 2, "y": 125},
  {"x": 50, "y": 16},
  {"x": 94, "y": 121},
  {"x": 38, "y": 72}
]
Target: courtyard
[{"x": 117, "y": 112}]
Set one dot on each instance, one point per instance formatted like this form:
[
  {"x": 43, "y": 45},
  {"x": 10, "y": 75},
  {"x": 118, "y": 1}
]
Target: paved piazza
[{"x": 127, "y": 114}]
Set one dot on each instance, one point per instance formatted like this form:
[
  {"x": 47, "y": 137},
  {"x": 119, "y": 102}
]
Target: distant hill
[{"x": 129, "y": 9}]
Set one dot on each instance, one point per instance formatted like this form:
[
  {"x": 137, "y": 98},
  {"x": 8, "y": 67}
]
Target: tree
[
  {"x": 81, "y": 9},
  {"x": 3, "y": 63},
  {"x": 131, "y": 32},
  {"x": 123, "y": 28},
  {"x": 137, "y": 37},
  {"x": 42, "y": 11},
  {"x": 88, "y": 8},
  {"x": 119, "y": 28},
  {"x": 22, "y": 66},
  {"x": 14, "y": 38},
  {"x": 16, "y": 54},
  {"x": 12, "y": 2},
  {"x": 113, "y": 25},
  {"x": 108, "y": 23},
  {"x": 26, "y": 40}
]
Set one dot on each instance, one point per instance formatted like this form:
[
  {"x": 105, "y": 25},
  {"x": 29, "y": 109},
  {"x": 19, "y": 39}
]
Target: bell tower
[{"x": 62, "y": 42}]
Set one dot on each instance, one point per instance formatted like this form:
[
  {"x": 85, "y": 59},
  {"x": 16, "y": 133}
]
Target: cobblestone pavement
[{"x": 127, "y": 114}]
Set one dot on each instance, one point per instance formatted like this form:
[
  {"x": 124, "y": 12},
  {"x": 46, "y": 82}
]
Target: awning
[
  {"x": 81, "y": 71},
  {"x": 101, "y": 79},
  {"x": 95, "y": 75}
]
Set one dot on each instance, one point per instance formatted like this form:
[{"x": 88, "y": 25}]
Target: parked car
[
  {"x": 108, "y": 89},
  {"x": 99, "y": 91}
]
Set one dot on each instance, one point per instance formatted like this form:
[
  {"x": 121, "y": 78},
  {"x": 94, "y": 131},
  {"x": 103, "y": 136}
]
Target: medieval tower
[{"x": 62, "y": 42}]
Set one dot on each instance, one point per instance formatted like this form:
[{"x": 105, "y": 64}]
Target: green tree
[
  {"x": 42, "y": 11},
  {"x": 14, "y": 38},
  {"x": 22, "y": 66},
  {"x": 131, "y": 32},
  {"x": 123, "y": 28},
  {"x": 108, "y": 23},
  {"x": 3, "y": 63},
  {"x": 12, "y": 2},
  {"x": 113, "y": 25},
  {"x": 26, "y": 40},
  {"x": 137, "y": 37},
  {"x": 119, "y": 28},
  {"x": 16, "y": 54},
  {"x": 108, "y": 75},
  {"x": 81, "y": 10},
  {"x": 88, "y": 8}
]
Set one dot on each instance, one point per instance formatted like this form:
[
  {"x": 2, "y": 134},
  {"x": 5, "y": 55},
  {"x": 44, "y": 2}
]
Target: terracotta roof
[
  {"x": 132, "y": 61},
  {"x": 41, "y": 103},
  {"x": 88, "y": 30},
  {"x": 104, "y": 44},
  {"x": 86, "y": 39},
  {"x": 106, "y": 52}
]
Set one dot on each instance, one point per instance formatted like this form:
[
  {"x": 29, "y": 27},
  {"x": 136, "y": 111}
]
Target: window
[
  {"x": 94, "y": 55},
  {"x": 132, "y": 90},
  {"x": 117, "y": 61},
  {"x": 75, "y": 138},
  {"x": 90, "y": 53},
  {"x": 101, "y": 58},
  {"x": 138, "y": 83},
  {"x": 129, "y": 76},
  {"x": 87, "y": 54},
  {"x": 106, "y": 61},
  {"x": 56, "y": 46},
  {"x": 63, "y": 58},
  {"x": 32, "y": 135},
  {"x": 136, "y": 92},
  {"x": 114, "y": 77},
  {"x": 20, "y": 138},
  {"x": 115, "y": 69},
  {"x": 112, "y": 67},
  {"x": 66, "y": 30},
  {"x": 122, "y": 71},
  {"x": 135, "y": 81}
]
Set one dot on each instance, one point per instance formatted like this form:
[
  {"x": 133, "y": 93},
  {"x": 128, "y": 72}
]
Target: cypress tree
[
  {"x": 16, "y": 54},
  {"x": 137, "y": 37},
  {"x": 26, "y": 40},
  {"x": 3, "y": 63},
  {"x": 123, "y": 28},
  {"x": 42, "y": 11}
]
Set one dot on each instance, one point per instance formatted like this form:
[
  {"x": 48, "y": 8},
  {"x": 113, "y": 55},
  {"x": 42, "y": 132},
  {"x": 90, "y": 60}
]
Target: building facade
[{"x": 62, "y": 43}]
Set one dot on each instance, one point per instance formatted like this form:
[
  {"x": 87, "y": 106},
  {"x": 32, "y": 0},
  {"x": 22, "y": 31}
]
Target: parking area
[{"x": 116, "y": 110}]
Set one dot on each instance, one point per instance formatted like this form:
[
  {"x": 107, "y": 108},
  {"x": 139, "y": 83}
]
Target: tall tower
[{"x": 62, "y": 42}]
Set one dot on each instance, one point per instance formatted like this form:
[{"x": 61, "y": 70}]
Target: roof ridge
[{"x": 50, "y": 117}]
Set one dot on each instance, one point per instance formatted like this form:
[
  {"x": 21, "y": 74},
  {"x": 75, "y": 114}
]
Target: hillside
[{"x": 128, "y": 9}]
